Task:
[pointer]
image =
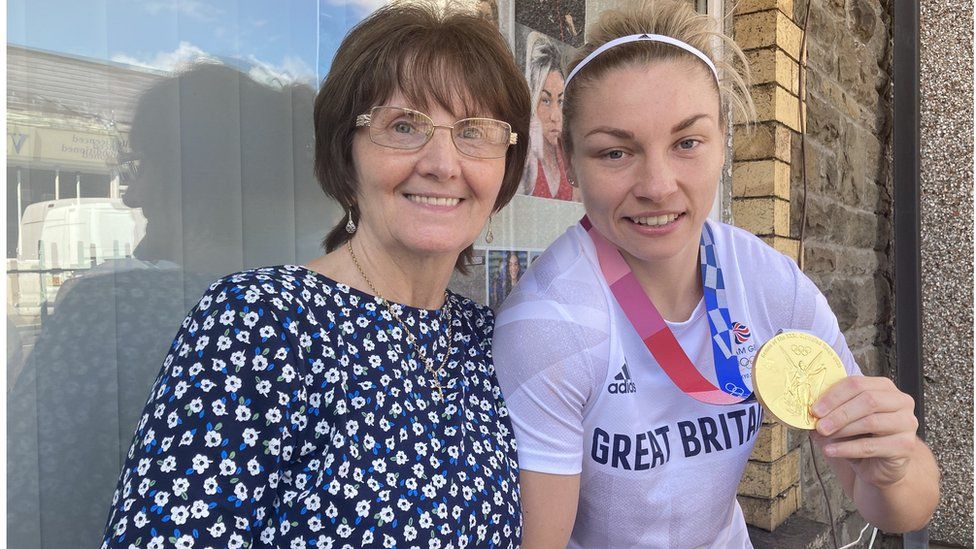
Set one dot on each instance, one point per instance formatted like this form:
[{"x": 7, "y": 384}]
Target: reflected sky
[{"x": 284, "y": 40}]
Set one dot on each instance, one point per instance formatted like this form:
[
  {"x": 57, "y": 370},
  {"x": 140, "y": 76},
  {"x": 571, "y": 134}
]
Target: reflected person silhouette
[{"x": 221, "y": 167}]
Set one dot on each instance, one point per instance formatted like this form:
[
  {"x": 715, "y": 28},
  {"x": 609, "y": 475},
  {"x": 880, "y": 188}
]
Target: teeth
[
  {"x": 655, "y": 220},
  {"x": 433, "y": 200}
]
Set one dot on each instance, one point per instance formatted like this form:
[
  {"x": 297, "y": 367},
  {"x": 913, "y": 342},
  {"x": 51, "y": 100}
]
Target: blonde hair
[{"x": 674, "y": 18}]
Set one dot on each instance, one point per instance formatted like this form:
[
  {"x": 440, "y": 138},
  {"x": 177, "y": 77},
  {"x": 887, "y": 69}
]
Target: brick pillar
[{"x": 761, "y": 172}]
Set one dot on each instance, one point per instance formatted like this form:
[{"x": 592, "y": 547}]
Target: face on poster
[
  {"x": 505, "y": 267},
  {"x": 544, "y": 60}
]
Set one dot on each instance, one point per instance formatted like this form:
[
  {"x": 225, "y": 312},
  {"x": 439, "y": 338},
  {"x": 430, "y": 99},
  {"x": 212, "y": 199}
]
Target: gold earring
[{"x": 489, "y": 236}]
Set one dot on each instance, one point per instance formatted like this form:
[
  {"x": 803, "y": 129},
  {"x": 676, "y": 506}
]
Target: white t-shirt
[{"x": 658, "y": 468}]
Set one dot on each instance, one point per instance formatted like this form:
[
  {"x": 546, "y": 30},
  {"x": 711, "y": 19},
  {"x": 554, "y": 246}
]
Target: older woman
[
  {"x": 616, "y": 350},
  {"x": 352, "y": 401},
  {"x": 545, "y": 170}
]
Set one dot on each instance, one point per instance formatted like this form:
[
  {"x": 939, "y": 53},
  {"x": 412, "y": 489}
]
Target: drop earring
[
  {"x": 350, "y": 225},
  {"x": 489, "y": 236}
]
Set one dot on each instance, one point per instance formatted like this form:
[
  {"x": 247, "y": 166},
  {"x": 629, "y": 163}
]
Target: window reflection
[{"x": 115, "y": 228}]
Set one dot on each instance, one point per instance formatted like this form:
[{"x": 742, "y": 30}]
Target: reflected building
[{"x": 175, "y": 179}]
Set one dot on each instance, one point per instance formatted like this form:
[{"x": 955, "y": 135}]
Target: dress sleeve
[
  {"x": 546, "y": 362},
  {"x": 222, "y": 418}
]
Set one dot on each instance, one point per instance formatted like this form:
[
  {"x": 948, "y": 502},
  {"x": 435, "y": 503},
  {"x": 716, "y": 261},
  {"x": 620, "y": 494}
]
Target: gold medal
[{"x": 790, "y": 372}]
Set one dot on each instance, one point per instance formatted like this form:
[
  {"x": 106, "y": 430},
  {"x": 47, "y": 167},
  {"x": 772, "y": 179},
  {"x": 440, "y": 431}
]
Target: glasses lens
[
  {"x": 399, "y": 128},
  {"x": 482, "y": 137}
]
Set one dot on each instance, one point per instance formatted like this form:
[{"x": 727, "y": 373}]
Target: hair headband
[{"x": 643, "y": 37}]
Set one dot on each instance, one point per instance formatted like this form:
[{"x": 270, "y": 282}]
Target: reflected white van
[{"x": 77, "y": 233}]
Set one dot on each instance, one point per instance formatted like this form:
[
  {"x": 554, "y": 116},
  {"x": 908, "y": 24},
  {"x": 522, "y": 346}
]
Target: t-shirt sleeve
[
  {"x": 812, "y": 313},
  {"x": 222, "y": 417},
  {"x": 545, "y": 366}
]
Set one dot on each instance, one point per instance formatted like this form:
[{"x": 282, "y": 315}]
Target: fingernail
[
  {"x": 830, "y": 451},
  {"x": 825, "y": 426},
  {"x": 818, "y": 409}
]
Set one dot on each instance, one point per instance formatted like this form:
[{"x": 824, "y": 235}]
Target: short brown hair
[
  {"x": 674, "y": 18},
  {"x": 427, "y": 54}
]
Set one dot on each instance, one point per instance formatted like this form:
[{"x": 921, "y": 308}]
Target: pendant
[{"x": 790, "y": 372}]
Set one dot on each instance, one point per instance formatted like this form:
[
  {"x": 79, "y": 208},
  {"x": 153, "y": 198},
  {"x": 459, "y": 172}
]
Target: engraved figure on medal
[{"x": 790, "y": 372}]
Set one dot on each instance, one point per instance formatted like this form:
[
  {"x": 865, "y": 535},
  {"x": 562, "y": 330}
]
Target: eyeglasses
[{"x": 403, "y": 128}]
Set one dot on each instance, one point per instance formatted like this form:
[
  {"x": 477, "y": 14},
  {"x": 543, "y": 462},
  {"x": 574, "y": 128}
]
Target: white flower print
[
  {"x": 201, "y": 463},
  {"x": 199, "y": 509},
  {"x": 180, "y": 485},
  {"x": 228, "y": 467},
  {"x": 217, "y": 529},
  {"x": 120, "y": 527},
  {"x": 236, "y": 541},
  {"x": 362, "y": 508},
  {"x": 314, "y": 524},
  {"x": 242, "y": 413},
  {"x": 240, "y": 490},
  {"x": 140, "y": 519},
  {"x": 303, "y": 390},
  {"x": 195, "y": 406},
  {"x": 212, "y": 439},
  {"x": 179, "y": 514},
  {"x": 250, "y": 436},
  {"x": 168, "y": 464},
  {"x": 218, "y": 407}
]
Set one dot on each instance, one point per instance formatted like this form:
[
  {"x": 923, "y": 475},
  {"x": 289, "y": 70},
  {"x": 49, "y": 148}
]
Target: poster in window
[
  {"x": 543, "y": 60},
  {"x": 505, "y": 267}
]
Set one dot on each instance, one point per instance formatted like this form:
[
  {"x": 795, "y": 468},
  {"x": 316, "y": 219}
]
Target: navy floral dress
[{"x": 291, "y": 412}]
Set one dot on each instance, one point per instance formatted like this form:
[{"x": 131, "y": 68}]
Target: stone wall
[
  {"x": 848, "y": 221},
  {"x": 847, "y": 218}
]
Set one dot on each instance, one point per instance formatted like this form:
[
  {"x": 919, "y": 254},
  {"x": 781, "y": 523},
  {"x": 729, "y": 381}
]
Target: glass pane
[{"x": 152, "y": 146}]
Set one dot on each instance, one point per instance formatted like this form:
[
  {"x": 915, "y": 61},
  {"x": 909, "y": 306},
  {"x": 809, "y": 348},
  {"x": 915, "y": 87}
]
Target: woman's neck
[
  {"x": 413, "y": 281},
  {"x": 674, "y": 286}
]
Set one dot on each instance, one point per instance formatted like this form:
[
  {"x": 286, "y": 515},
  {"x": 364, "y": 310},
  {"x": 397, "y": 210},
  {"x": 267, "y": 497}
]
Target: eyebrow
[
  {"x": 623, "y": 134},
  {"x": 615, "y": 132},
  {"x": 687, "y": 122}
]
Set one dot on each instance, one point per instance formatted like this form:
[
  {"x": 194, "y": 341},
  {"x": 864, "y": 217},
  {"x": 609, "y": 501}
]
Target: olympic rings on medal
[{"x": 801, "y": 350}]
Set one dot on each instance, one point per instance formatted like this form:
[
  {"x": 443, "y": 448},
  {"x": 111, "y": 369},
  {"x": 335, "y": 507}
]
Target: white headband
[{"x": 639, "y": 37}]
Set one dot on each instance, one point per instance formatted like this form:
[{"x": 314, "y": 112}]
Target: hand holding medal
[{"x": 801, "y": 382}]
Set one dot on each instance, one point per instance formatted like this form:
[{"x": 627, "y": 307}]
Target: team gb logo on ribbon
[{"x": 741, "y": 332}]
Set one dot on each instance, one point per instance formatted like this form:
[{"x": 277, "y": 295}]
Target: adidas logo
[{"x": 622, "y": 382}]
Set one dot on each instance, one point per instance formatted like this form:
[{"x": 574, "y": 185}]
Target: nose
[
  {"x": 440, "y": 159},
  {"x": 656, "y": 179}
]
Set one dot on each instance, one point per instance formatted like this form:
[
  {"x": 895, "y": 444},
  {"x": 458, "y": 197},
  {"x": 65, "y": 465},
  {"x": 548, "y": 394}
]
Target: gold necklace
[{"x": 445, "y": 316}]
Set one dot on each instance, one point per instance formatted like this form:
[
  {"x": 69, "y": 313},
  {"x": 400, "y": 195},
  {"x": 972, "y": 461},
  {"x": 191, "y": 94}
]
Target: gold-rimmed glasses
[{"x": 403, "y": 128}]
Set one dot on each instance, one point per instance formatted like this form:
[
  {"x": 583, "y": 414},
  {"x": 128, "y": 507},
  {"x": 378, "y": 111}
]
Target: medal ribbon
[{"x": 654, "y": 331}]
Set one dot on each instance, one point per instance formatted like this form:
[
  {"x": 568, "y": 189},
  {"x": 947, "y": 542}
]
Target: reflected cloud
[
  {"x": 291, "y": 70},
  {"x": 183, "y": 56}
]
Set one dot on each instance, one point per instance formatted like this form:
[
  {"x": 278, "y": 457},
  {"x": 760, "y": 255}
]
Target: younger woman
[{"x": 646, "y": 292}]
